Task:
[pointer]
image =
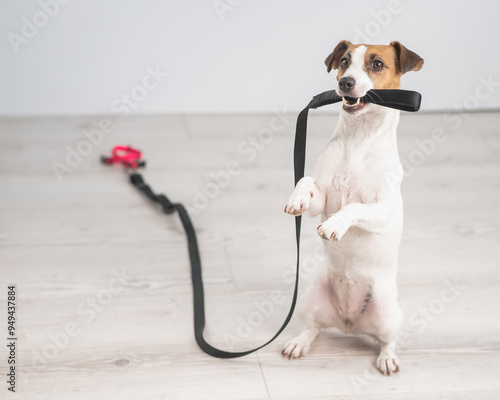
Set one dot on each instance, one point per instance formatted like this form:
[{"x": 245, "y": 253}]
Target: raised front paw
[
  {"x": 334, "y": 228},
  {"x": 299, "y": 202}
]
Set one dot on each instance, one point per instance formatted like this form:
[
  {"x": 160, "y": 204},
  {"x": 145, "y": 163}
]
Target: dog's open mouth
[{"x": 352, "y": 104}]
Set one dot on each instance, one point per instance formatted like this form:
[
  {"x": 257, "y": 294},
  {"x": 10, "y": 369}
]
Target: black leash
[{"x": 130, "y": 157}]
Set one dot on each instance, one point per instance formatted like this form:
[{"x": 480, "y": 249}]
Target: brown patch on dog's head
[
  {"x": 381, "y": 64},
  {"x": 333, "y": 59}
]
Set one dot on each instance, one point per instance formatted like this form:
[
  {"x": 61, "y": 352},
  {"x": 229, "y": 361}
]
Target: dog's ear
[
  {"x": 407, "y": 60},
  {"x": 332, "y": 61}
]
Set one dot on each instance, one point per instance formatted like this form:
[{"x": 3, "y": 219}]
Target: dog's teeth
[
  {"x": 357, "y": 101},
  {"x": 344, "y": 100}
]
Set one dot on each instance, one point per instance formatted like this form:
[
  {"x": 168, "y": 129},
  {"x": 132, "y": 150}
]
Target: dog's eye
[
  {"x": 344, "y": 63},
  {"x": 377, "y": 64}
]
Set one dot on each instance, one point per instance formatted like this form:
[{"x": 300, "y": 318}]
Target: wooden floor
[{"x": 103, "y": 286}]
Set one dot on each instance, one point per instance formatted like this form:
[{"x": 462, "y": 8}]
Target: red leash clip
[{"x": 127, "y": 156}]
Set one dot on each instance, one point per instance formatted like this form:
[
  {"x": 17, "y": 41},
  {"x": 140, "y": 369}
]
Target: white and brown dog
[{"x": 356, "y": 189}]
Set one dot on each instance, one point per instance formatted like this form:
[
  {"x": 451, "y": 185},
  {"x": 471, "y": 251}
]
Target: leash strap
[
  {"x": 404, "y": 100},
  {"x": 196, "y": 275},
  {"x": 399, "y": 99}
]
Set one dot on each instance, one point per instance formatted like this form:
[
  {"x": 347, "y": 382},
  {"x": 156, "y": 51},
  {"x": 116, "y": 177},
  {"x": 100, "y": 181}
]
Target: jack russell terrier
[{"x": 356, "y": 187}]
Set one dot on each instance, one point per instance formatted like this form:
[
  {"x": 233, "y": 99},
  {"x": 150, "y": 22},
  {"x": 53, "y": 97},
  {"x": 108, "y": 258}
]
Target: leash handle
[
  {"x": 404, "y": 100},
  {"x": 399, "y": 99}
]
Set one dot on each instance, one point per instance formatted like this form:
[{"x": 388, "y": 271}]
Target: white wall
[{"x": 261, "y": 55}]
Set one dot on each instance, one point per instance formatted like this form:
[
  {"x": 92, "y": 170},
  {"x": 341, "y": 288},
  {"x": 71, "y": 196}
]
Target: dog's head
[{"x": 363, "y": 67}]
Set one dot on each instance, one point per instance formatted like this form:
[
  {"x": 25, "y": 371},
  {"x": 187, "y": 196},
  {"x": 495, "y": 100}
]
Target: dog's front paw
[
  {"x": 334, "y": 228},
  {"x": 298, "y": 202},
  {"x": 387, "y": 363}
]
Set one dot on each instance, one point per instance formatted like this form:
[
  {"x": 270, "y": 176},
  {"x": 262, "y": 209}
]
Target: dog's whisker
[
  {"x": 368, "y": 95},
  {"x": 376, "y": 94}
]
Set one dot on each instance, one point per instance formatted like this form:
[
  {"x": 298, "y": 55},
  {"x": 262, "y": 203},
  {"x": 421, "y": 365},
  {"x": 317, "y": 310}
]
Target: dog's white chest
[{"x": 350, "y": 178}]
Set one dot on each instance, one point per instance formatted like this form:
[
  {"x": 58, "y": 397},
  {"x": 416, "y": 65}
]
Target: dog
[{"x": 356, "y": 187}]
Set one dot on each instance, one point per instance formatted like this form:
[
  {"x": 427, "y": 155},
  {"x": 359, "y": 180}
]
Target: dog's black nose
[{"x": 346, "y": 84}]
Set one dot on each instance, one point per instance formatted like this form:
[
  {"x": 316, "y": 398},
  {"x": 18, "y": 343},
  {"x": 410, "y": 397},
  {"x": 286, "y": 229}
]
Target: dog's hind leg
[
  {"x": 384, "y": 321},
  {"x": 315, "y": 312}
]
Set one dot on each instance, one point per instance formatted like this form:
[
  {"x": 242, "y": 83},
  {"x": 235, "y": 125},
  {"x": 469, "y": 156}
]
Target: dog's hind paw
[
  {"x": 296, "y": 348},
  {"x": 387, "y": 363}
]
